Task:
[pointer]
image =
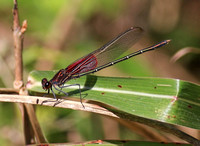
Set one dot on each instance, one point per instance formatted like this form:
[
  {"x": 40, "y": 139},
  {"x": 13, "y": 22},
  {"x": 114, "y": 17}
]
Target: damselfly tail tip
[{"x": 167, "y": 41}]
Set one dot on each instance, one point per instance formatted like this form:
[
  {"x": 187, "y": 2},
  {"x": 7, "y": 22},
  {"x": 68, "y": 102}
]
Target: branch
[
  {"x": 9, "y": 91},
  {"x": 76, "y": 105},
  {"x": 30, "y": 122},
  {"x": 18, "y": 46}
]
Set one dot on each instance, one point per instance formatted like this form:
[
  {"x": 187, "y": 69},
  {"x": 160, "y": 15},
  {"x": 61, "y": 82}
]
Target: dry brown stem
[
  {"x": 9, "y": 91},
  {"x": 18, "y": 47},
  {"x": 184, "y": 51},
  {"x": 30, "y": 122},
  {"x": 76, "y": 105}
]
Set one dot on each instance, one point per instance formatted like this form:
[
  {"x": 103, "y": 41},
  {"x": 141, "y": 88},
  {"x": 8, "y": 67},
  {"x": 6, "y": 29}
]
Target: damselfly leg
[
  {"x": 56, "y": 100},
  {"x": 79, "y": 86},
  {"x": 60, "y": 90}
]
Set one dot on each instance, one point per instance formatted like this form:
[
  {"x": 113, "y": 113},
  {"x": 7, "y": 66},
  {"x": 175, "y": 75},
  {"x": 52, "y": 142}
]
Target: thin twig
[
  {"x": 184, "y": 51},
  {"x": 35, "y": 124},
  {"x": 18, "y": 83},
  {"x": 9, "y": 91},
  {"x": 18, "y": 46},
  {"x": 76, "y": 105},
  {"x": 31, "y": 126}
]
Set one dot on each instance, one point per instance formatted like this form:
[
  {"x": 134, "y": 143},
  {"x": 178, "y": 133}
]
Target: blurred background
[{"x": 59, "y": 32}]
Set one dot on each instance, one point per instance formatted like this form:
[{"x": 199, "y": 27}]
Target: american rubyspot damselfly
[{"x": 98, "y": 60}]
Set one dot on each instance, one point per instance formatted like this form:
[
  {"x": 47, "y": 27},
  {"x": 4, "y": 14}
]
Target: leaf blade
[{"x": 168, "y": 100}]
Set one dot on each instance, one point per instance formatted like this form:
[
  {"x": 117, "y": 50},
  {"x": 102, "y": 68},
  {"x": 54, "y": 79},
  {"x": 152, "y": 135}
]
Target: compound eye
[{"x": 47, "y": 84}]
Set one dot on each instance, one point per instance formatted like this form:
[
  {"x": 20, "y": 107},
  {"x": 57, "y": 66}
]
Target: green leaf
[{"x": 167, "y": 100}]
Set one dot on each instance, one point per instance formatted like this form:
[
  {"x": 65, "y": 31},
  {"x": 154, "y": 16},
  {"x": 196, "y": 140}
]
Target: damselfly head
[{"x": 46, "y": 84}]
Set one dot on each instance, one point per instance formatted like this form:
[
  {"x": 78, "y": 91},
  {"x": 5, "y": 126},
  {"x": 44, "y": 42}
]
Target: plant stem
[
  {"x": 32, "y": 130},
  {"x": 18, "y": 46}
]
